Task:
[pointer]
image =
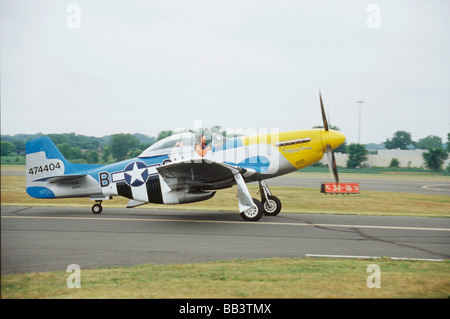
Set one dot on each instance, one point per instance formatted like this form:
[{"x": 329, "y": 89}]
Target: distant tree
[
  {"x": 394, "y": 163},
  {"x": 122, "y": 144},
  {"x": 448, "y": 142},
  {"x": 145, "y": 139},
  {"x": 70, "y": 152},
  {"x": 342, "y": 148},
  {"x": 65, "y": 149},
  {"x": 106, "y": 155},
  {"x": 401, "y": 140},
  {"x": 83, "y": 142},
  {"x": 357, "y": 154},
  {"x": 163, "y": 134},
  {"x": 216, "y": 129},
  {"x": 92, "y": 157},
  {"x": 7, "y": 148},
  {"x": 20, "y": 147},
  {"x": 434, "y": 159},
  {"x": 431, "y": 141},
  {"x": 136, "y": 152}
]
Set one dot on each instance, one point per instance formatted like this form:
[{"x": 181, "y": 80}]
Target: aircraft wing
[
  {"x": 207, "y": 175},
  {"x": 199, "y": 173}
]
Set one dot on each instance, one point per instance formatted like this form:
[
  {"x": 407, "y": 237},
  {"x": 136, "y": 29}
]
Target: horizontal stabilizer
[
  {"x": 134, "y": 203},
  {"x": 60, "y": 178}
]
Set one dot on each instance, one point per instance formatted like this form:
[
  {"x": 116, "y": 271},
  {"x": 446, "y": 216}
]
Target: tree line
[
  {"x": 434, "y": 157},
  {"x": 402, "y": 140},
  {"x": 108, "y": 149},
  {"x": 436, "y": 153},
  {"x": 92, "y": 150},
  {"x": 84, "y": 149}
]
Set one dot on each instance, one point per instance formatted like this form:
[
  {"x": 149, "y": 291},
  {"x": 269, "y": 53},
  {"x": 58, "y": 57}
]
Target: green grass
[
  {"x": 265, "y": 278},
  {"x": 294, "y": 200},
  {"x": 16, "y": 160}
]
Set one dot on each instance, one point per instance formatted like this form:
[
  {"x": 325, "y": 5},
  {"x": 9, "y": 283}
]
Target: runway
[{"x": 37, "y": 239}]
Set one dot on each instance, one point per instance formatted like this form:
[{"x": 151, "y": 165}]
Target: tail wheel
[
  {"x": 272, "y": 206},
  {"x": 255, "y": 213}
]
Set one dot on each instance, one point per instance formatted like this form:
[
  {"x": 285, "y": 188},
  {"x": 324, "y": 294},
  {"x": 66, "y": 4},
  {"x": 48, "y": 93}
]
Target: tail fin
[{"x": 43, "y": 160}]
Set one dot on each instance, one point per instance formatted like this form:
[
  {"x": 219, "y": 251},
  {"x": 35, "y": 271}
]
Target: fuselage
[{"x": 261, "y": 156}]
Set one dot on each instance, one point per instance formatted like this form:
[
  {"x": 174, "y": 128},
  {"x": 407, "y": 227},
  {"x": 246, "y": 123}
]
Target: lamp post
[{"x": 359, "y": 125}]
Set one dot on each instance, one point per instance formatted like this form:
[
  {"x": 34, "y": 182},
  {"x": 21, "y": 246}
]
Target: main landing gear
[
  {"x": 97, "y": 207},
  {"x": 255, "y": 213},
  {"x": 271, "y": 204}
]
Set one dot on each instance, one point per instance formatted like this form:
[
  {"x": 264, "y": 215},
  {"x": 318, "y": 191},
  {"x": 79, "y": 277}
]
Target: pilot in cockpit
[{"x": 202, "y": 148}]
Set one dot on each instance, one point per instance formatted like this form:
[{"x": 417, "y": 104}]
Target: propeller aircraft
[{"x": 182, "y": 169}]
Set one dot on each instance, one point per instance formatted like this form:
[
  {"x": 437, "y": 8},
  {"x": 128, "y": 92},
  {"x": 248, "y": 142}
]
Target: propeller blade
[
  {"x": 332, "y": 163},
  {"x": 330, "y": 153},
  {"x": 324, "y": 118}
]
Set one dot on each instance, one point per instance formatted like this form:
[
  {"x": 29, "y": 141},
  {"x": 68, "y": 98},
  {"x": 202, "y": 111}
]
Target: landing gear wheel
[
  {"x": 255, "y": 213},
  {"x": 97, "y": 208},
  {"x": 272, "y": 206}
]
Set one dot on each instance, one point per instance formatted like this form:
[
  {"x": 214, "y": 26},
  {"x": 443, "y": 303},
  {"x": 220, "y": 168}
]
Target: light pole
[{"x": 359, "y": 125}]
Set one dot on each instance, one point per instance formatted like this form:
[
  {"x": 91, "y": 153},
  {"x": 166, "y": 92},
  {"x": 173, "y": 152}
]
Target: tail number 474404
[{"x": 45, "y": 168}]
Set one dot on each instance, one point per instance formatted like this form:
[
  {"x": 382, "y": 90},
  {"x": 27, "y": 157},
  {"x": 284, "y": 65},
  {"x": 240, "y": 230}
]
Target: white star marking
[{"x": 136, "y": 174}]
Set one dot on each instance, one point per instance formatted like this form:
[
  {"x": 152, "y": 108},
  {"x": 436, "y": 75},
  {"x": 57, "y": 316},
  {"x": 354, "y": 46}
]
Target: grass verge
[
  {"x": 294, "y": 200},
  {"x": 264, "y": 278}
]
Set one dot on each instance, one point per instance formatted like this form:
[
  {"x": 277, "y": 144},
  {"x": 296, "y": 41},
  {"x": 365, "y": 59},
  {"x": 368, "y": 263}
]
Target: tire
[
  {"x": 97, "y": 208},
  {"x": 254, "y": 214},
  {"x": 272, "y": 207}
]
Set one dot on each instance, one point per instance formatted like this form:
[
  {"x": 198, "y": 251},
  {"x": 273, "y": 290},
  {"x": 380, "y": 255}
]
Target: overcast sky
[{"x": 146, "y": 66}]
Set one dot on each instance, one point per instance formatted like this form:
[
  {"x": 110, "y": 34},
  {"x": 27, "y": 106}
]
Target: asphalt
[{"x": 38, "y": 239}]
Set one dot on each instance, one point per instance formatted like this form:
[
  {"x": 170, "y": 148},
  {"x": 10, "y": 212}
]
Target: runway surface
[{"x": 37, "y": 239}]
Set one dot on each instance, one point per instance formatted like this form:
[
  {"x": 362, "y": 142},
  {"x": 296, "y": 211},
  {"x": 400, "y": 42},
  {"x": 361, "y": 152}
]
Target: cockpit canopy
[
  {"x": 182, "y": 143},
  {"x": 177, "y": 142}
]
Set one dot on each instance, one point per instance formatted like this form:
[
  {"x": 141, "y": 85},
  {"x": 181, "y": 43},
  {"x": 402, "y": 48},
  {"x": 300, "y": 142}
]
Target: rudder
[{"x": 43, "y": 159}]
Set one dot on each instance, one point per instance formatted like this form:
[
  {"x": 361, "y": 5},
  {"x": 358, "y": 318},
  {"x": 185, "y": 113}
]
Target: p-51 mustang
[{"x": 180, "y": 169}]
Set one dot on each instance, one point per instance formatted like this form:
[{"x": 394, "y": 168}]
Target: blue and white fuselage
[
  {"x": 50, "y": 175},
  {"x": 172, "y": 172}
]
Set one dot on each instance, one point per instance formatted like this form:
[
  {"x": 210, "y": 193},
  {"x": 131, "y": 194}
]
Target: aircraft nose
[{"x": 332, "y": 138}]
